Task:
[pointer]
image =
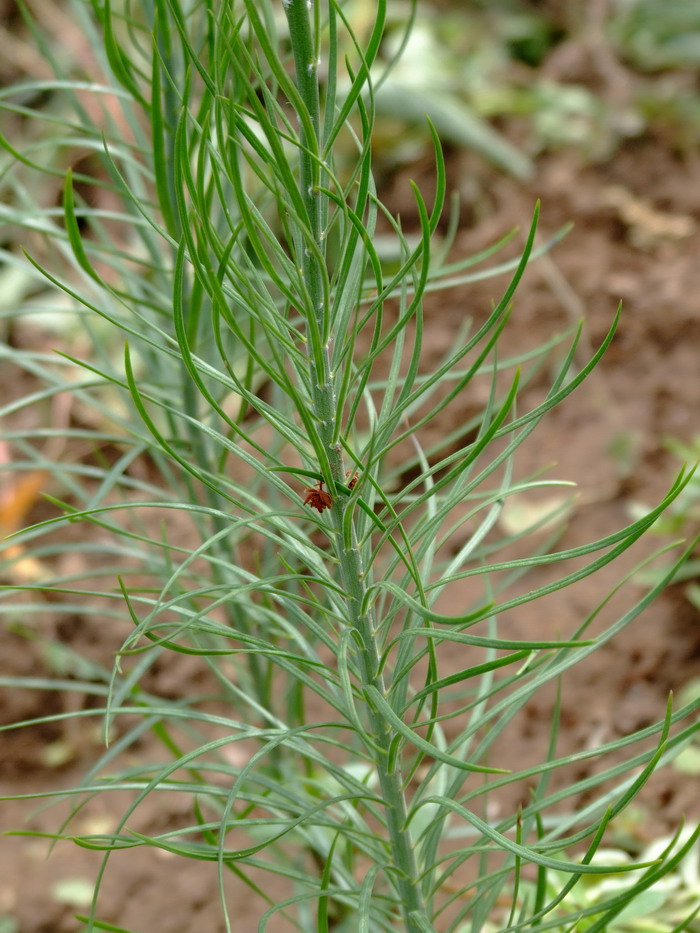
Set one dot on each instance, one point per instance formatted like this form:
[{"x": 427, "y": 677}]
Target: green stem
[{"x": 389, "y": 772}]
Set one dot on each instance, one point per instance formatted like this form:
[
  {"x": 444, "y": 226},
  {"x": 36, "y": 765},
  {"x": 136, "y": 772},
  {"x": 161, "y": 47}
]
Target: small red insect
[
  {"x": 317, "y": 497},
  {"x": 352, "y": 479}
]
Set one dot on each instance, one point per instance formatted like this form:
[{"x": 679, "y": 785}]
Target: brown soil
[{"x": 637, "y": 239}]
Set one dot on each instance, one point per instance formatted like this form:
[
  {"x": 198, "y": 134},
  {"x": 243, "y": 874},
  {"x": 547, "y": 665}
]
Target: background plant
[
  {"x": 248, "y": 343},
  {"x": 581, "y": 76},
  {"x": 682, "y": 517}
]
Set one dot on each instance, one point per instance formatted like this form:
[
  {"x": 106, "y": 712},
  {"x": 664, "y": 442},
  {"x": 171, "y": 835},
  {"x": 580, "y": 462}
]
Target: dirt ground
[{"x": 636, "y": 238}]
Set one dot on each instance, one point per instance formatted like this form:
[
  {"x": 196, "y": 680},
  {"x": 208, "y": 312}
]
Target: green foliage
[
  {"x": 681, "y": 518},
  {"x": 574, "y": 75},
  {"x": 655, "y": 35},
  {"x": 230, "y": 323},
  {"x": 658, "y": 906}
]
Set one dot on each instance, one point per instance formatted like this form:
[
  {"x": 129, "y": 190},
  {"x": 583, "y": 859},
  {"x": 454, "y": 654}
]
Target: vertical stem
[
  {"x": 351, "y": 570},
  {"x": 172, "y": 67}
]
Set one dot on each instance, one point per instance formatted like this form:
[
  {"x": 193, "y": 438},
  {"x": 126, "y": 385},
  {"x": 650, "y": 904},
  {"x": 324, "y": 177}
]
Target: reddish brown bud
[{"x": 317, "y": 497}]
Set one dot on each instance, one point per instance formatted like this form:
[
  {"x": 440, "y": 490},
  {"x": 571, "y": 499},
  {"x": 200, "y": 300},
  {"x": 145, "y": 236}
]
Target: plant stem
[{"x": 390, "y": 776}]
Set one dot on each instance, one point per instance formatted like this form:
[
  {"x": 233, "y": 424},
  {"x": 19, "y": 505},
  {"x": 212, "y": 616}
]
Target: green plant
[
  {"x": 670, "y": 904},
  {"x": 289, "y": 528},
  {"x": 654, "y": 37},
  {"x": 681, "y": 518}
]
